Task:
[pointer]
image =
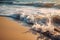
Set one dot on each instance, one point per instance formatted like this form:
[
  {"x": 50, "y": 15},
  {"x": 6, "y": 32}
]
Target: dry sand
[{"x": 11, "y": 30}]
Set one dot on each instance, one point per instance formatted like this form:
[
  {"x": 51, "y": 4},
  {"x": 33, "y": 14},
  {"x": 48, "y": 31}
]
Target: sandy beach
[{"x": 11, "y": 30}]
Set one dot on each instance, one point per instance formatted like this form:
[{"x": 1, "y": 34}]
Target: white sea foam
[{"x": 12, "y": 9}]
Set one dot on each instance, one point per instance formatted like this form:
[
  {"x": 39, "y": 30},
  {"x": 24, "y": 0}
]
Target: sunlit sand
[{"x": 11, "y": 30}]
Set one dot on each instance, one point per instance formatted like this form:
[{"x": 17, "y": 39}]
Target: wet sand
[{"x": 11, "y": 30}]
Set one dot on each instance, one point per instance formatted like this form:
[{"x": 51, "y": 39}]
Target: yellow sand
[{"x": 11, "y": 30}]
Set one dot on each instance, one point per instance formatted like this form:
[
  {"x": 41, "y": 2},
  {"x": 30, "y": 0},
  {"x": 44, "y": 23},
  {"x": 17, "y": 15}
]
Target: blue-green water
[{"x": 33, "y": 0}]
